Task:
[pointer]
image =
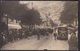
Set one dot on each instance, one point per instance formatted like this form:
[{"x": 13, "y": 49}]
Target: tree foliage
[
  {"x": 21, "y": 12},
  {"x": 52, "y": 23},
  {"x": 13, "y": 9},
  {"x": 31, "y": 17},
  {"x": 3, "y": 26},
  {"x": 69, "y": 14}
]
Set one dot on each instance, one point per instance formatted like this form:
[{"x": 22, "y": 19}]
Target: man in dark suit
[
  {"x": 3, "y": 27},
  {"x": 73, "y": 43}
]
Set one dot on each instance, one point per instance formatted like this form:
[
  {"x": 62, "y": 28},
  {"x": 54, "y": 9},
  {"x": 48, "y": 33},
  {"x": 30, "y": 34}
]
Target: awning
[{"x": 14, "y": 26}]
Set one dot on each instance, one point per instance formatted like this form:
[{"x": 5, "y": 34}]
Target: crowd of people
[{"x": 13, "y": 35}]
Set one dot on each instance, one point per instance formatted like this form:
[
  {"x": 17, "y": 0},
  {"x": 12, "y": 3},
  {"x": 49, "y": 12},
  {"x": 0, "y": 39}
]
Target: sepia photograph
[{"x": 38, "y": 25}]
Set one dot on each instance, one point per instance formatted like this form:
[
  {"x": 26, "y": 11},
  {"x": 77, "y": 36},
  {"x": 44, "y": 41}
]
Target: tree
[
  {"x": 14, "y": 9},
  {"x": 69, "y": 14},
  {"x": 31, "y": 17},
  {"x": 21, "y": 12},
  {"x": 52, "y": 23},
  {"x": 3, "y": 26}
]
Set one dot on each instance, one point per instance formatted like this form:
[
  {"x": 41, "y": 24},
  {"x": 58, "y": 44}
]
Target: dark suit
[{"x": 3, "y": 27}]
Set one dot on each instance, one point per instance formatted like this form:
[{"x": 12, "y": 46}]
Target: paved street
[{"x": 33, "y": 44}]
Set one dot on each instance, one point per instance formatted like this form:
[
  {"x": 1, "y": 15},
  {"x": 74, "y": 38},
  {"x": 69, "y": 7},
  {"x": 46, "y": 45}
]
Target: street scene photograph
[{"x": 38, "y": 25}]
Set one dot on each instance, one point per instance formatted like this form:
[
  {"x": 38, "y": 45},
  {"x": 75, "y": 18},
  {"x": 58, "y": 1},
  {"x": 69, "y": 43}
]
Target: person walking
[{"x": 55, "y": 36}]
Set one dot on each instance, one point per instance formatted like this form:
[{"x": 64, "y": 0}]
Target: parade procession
[
  {"x": 59, "y": 33},
  {"x": 27, "y": 26}
]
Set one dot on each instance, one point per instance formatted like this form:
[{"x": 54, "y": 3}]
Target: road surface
[{"x": 33, "y": 44}]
